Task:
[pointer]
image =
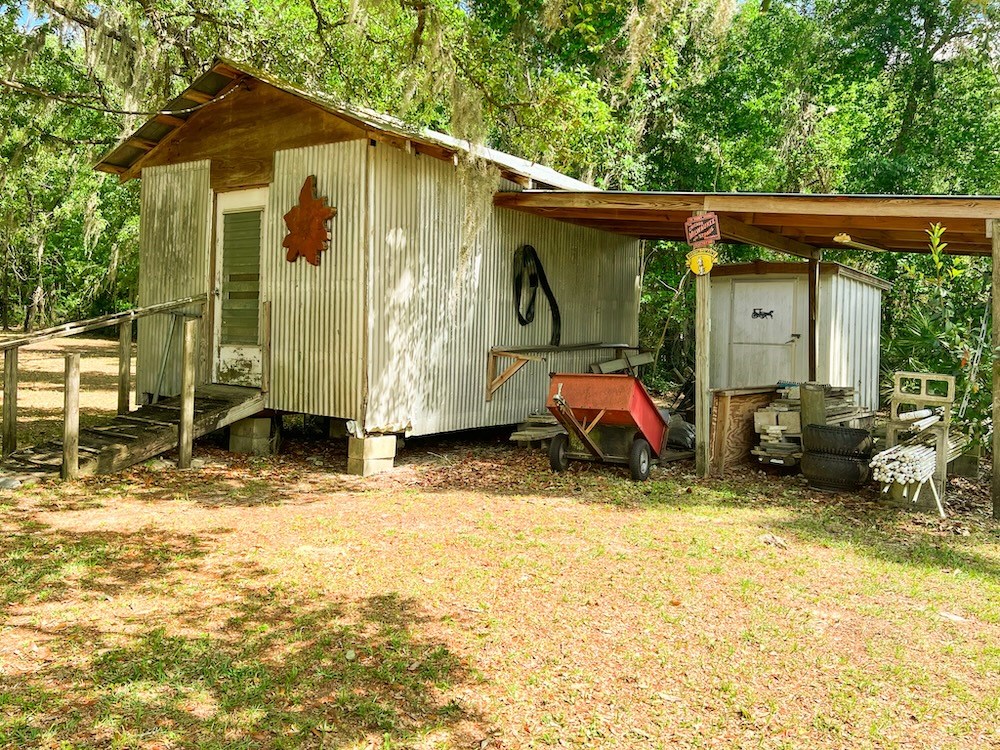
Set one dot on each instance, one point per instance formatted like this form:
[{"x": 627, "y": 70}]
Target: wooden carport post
[
  {"x": 995, "y": 301},
  {"x": 703, "y": 396}
]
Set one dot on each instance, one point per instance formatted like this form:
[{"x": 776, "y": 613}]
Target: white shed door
[
  {"x": 766, "y": 332},
  {"x": 239, "y": 231}
]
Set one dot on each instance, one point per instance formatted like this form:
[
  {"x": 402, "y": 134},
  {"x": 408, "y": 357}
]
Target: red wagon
[{"x": 608, "y": 418}]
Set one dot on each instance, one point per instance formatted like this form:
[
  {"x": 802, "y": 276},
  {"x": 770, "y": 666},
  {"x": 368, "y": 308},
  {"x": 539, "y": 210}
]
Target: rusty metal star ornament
[{"x": 307, "y": 225}]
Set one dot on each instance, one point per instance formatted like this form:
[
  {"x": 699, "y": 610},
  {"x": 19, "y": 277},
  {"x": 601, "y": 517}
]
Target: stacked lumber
[
  {"x": 539, "y": 426},
  {"x": 780, "y": 423},
  {"x": 775, "y": 448}
]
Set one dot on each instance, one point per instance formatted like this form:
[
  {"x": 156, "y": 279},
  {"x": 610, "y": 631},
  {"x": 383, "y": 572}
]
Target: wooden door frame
[{"x": 234, "y": 201}]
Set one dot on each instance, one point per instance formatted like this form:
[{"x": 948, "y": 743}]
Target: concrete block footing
[
  {"x": 370, "y": 455},
  {"x": 257, "y": 436},
  {"x": 362, "y": 467}
]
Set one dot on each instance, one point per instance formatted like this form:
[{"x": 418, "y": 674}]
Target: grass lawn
[{"x": 472, "y": 599}]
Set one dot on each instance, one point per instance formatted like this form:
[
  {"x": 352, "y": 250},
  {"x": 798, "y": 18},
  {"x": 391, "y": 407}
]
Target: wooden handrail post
[
  {"x": 9, "y": 403},
  {"x": 185, "y": 430},
  {"x": 71, "y": 418},
  {"x": 124, "y": 367}
]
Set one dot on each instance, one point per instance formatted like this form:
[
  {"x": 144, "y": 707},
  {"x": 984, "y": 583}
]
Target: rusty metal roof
[{"x": 224, "y": 77}]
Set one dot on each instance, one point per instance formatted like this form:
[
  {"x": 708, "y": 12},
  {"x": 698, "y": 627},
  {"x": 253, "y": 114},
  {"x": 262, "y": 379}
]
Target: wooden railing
[{"x": 71, "y": 409}]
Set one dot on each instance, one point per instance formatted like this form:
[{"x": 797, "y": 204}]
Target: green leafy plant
[{"x": 944, "y": 328}]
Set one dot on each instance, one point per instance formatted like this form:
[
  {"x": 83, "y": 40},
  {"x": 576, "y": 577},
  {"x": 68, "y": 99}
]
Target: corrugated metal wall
[
  {"x": 318, "y": 313},
  {"x": 174, "y": 255},
  {"x": 848, "y": 332},
  {"x": 850, "y": 320},
  {"x": 436, "y": 310}
]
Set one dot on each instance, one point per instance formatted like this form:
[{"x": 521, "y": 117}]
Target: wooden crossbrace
[
  {"x": 597, "y": 419},
  {"x": 496, "y": 381}
]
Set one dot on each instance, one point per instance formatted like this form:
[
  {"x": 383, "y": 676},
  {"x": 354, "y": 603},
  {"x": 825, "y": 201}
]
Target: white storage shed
[{"x": 761, "y": 327}]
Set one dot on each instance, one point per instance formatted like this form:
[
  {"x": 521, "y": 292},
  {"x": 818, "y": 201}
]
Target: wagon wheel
[
  {"x": 640, "y": 459},
  {"x": 559, "y": 452}
]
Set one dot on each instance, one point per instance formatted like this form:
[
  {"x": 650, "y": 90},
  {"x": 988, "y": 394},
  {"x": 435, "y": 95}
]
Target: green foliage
[{"x": 944, "y": 327}]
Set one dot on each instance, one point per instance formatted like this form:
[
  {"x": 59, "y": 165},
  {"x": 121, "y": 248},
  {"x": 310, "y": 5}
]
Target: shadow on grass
[
  {"x": 249, "y": 666},
  {"x": 37, "y": 561},
  {"x": 858, "y": 522},
  {"x": 876, "y": 532}
]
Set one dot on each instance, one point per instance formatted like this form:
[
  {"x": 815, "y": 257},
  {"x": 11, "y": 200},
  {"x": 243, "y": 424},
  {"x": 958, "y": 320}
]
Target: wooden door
[
  {"x": 239, "y": 229},
  {"x": 767, "y": 332}
]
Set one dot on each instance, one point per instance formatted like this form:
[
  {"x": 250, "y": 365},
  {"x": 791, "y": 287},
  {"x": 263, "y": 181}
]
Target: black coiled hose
[{"x": 527, "y": 264}]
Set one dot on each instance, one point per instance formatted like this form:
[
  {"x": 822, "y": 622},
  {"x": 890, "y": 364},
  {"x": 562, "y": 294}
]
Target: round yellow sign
[{"x": 700, "y": 261}]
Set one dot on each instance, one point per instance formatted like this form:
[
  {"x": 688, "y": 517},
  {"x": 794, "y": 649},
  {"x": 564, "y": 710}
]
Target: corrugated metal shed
[
  {"x": 760, "y": 327},
  {"x": 849, "y": 324},
  {"x": 394, "y": 327}
]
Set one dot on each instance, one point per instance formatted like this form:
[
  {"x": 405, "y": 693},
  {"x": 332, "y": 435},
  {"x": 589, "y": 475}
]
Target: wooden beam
[
  {"x": 532, "y": 201},
  {"x": 226, "y": 70},
  {"x": 996, "y": 368},
  {"x": 174, "y": 122},
  {"x": 71, "y": 418},
  {"x": 9, "y": 403},
  {"x": 185, "y": 430},
  {"x": 124, "y": 367},
  {"x": 198, "y": 97},
  {"x": 83, "y": 326},
  {"x": 144, "y": 143},
  {"x": 928, "y": 208},
  {"x": 703, "y": 393},
  {"x": 111, "y": 168},
  {"x": 834, "y": 223},
  {"x": 733, "y": 229}
]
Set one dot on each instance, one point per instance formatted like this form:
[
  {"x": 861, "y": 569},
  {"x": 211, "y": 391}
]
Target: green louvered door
[{"x": 239, "y": 226}]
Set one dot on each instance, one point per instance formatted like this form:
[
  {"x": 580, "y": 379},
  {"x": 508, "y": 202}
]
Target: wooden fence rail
[{"x": 71, "y": 412}]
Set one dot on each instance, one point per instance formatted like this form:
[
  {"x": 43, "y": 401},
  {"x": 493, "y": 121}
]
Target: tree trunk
[
  {"x": 36, "y": 308},
  {"x": 5, "y": 292}
]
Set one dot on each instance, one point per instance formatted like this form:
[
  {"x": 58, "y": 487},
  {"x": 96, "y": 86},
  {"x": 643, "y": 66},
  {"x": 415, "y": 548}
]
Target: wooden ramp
[{"x": 138, "y": 436}]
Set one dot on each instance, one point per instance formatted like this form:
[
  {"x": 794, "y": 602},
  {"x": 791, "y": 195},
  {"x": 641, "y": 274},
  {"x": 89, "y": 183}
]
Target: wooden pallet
[{"x": 138, "y": 436}]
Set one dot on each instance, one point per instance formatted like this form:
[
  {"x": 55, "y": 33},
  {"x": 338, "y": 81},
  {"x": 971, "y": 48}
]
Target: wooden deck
[{"x": 138, "y": 436}]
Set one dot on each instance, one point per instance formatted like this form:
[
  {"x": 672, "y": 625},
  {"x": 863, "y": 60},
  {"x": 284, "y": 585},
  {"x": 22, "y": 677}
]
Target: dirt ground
[
  {"x": 472, "y": 599},
  {"x": 41, "y": 378}
]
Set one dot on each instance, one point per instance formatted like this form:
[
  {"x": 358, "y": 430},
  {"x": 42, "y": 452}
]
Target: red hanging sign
[{"x": 703, "y": 230}]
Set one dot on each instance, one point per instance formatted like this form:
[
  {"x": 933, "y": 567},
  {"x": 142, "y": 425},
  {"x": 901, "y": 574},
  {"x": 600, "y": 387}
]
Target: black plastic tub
[
  {"x": 828, "y": 472},
  {"x": 848, "y": 442}
]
